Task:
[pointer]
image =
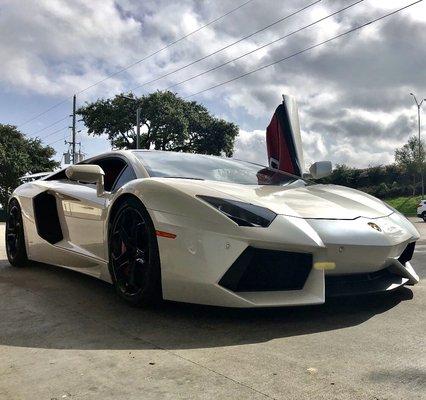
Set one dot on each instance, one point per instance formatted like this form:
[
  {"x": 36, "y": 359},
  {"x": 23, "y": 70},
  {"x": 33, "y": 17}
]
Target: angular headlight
[{"x": 244, "y": 214}]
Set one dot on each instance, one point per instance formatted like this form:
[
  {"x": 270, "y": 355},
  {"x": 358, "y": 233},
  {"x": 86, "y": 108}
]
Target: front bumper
[
  {"x": 194, "y": 265},
  {"x": 387, "y": 279},
  {"x": 259, "y": 270}
]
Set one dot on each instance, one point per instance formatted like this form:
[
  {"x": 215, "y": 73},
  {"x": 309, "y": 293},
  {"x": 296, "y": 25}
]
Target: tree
[
  {"x": 341, "y": 175},
  {"x": 167, "y": 123},
  {"x": 376, "y": 175},
  {"x": 411, "y": 159},
  {"x": 18, "y": 156}
]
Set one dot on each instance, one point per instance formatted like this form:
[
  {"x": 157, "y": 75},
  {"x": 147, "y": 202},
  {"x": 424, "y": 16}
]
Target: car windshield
[{"x": 197, "y": 166}]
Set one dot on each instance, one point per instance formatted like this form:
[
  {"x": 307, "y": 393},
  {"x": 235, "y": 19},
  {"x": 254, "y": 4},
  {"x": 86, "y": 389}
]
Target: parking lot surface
[{"x": 67, "y": 336}]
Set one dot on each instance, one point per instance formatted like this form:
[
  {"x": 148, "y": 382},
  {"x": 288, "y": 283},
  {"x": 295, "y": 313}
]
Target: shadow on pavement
[
  {"x": 415, "y": 377},
  {"x": 48, "y": 307}
]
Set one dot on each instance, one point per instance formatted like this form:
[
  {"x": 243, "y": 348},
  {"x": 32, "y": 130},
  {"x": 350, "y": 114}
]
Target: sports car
[{"x": 210, "y": 230}]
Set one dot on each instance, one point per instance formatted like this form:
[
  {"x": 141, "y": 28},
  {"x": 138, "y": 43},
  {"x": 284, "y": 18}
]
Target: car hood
[{"x": 298, "y": 200}]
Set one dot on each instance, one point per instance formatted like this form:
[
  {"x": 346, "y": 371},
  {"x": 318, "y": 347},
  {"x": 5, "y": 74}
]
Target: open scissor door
[{"x": 283, "y": 140}]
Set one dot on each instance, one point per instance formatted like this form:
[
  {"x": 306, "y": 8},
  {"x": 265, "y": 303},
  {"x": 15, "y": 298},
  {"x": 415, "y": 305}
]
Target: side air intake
[
  {"x": 259, "y": 270},
  {"x": 47, "y": 218}
]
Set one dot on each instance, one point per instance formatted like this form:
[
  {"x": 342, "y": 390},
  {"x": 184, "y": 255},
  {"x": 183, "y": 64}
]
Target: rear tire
[
  {"x": 424, "y": 216},
  {"x": 134, "y": 262},
  {"x": 14, "y": 236}
]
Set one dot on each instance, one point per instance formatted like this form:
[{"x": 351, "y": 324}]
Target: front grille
[
  {"x": 340, "y": 285},
  {"x": 354, "y": 278},
  {"x": 259, "y": 270}
]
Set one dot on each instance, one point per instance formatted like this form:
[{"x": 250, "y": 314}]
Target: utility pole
[
  {"x": 73, "y": 142},
  {"x": 74, "y": 100},
  {"x": 420, "y": 151}
]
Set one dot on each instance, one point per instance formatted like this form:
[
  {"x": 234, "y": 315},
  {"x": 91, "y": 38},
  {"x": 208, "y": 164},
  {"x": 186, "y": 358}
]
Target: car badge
[{"x": 375, "y": 226}]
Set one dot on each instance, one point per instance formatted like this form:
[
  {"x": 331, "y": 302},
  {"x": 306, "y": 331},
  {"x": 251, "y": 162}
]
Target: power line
[
  {"x": 304, "y": 50},
  {"x": 44, "y": 112},
  {"x": 263, "y": 46},
  {"x": 56, "y": 141},
  {"x": 138, "y": 61},
  {"x": 227, "y": 46},
  {"x": 165, "y": 47},
  {"x": 56, "y": 131},
  {"x": 52, "y": 124}
]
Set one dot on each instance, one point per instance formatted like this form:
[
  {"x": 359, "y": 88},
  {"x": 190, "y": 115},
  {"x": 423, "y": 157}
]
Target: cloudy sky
[{"x": 353, "y": 93}]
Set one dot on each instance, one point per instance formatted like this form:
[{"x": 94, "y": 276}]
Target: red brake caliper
[{"x": 123, "y": 250}]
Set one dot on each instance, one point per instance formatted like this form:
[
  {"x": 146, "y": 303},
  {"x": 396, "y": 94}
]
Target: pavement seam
[{"x": 101, "y": 322}]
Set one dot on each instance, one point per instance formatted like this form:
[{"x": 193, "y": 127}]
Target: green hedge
[{"x": 405, "y": 205}]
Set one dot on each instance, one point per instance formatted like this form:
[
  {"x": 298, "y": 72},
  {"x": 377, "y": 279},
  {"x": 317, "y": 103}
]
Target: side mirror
[
  {"x": 88, "y": 173},
  {"x": 320, "y": 169}
]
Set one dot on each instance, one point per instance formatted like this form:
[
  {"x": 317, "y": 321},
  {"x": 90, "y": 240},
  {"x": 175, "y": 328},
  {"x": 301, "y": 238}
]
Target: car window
[
  {"x": 112, "y": 166},
  {"x": 127, "y": 175}
]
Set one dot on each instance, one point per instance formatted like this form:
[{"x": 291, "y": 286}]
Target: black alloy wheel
[
  {"x": 15, "y": 240},
  {"x": 133, "y": 252}
]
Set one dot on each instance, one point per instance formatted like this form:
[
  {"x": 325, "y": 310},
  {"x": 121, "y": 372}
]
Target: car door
[
  {"x": 84, "y": 212},
  {"x": 283, "y": 140}
]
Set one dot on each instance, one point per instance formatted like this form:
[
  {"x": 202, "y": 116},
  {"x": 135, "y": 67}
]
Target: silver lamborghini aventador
[{"x": 209, "y": 230}]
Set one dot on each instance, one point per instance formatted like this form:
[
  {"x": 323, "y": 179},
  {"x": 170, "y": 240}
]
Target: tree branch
[{"x": 125, "y": 137}]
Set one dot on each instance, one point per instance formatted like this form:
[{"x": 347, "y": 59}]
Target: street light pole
[{"x": 420, "y": 154}]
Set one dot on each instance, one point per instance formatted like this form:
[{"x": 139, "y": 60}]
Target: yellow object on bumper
[{"x": 324, "y": 265}]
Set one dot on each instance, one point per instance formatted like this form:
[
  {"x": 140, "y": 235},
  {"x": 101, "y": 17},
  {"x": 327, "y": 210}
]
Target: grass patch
[{"x": 405, "y": 205}]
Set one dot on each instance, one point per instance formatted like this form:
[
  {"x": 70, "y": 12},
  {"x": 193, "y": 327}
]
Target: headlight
[{"x": 244, "y": 214}]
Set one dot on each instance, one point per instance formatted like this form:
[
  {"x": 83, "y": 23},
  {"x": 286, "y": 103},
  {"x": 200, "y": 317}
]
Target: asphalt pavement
[{"x": 67, "y": 336}]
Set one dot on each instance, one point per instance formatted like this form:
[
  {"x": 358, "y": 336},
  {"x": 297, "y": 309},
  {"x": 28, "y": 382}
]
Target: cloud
[
  {"x": 353, "y": 93},
  {"x": 251, "y": 146}
]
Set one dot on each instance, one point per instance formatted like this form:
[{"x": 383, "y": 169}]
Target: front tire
[
  {"x": 14, "y": 236},
  {"x": 424, "y": 216},
  {"x": 134, "y": 262}
]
